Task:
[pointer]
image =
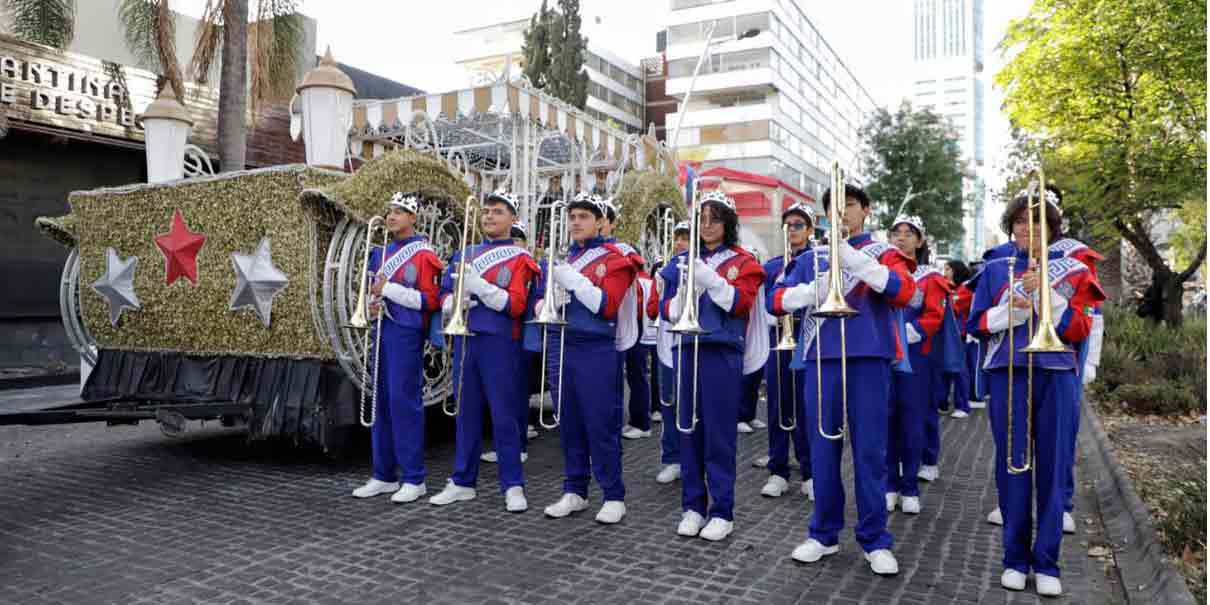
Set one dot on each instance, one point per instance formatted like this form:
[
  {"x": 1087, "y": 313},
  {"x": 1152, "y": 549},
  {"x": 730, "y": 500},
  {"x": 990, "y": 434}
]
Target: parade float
[{"x": 228, "y": 296}]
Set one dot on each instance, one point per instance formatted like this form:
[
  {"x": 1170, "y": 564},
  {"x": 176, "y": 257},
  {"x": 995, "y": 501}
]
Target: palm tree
[{"x": 272, "y": 41}]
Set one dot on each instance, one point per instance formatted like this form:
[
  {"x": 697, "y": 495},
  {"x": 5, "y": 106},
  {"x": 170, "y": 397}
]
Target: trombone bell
[{"x": 1045, "y": 340}]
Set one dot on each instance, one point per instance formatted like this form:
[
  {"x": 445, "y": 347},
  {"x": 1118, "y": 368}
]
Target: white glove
[
  {"x": 447, "y": 305},
  {"x": 494, "y": 297},
  {"x": 865, "y": 268},
  {"x": 1090, "y": 373},
  {"x": 475, "y": 284},
  {"x": 912, "y": 335},
  {"x": 804, "y": 296},
  {"x": 721, "y": 292},
  {"x": 999, "y": 316},
  {"x": 575, "y": 282},
  {"x": 402, "y": 295}
]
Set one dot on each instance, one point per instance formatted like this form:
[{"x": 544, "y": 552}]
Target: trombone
[
  {"x": 359, "y": 321},
  {"x": 689, "y": 323},
  {"x": 667, "y": 233},
  {"x": 1045, "y": 339},
  {"x": 834, "y": 306},
  {"x": 550, "y": 316},
  {"x": 458, "y": 323},
  {"x": 786, "y": 342}
]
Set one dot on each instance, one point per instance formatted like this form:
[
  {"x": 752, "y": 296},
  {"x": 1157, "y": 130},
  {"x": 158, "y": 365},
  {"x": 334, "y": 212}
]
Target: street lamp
[
  {"x": 166, "y": 124},
  {"x": 327, "y": 108},
  {"x": 751, "y": 33}
]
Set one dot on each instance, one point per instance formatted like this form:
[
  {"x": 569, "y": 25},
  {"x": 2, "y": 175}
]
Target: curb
[
  {"x": 1139, "y": 559},
  {"x": 39, "y": 380}
]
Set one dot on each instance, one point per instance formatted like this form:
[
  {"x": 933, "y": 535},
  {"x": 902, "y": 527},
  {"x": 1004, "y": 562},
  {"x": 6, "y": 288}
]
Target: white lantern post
[
  {"x": 166, "y": 125},
  {"x": 327, "y": 111}
]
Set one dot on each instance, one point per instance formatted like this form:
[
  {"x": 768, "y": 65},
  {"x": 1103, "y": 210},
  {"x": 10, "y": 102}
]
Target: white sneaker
[
  {"x": 690, "y": 525},
  {"x": 568, "y": 504},
  {"x": 374, "y": 487},
  {"x": 611, "y": 512},
  {"x": 1012, "y": 579},
  {"x": 882, "y": 562},
  {"x": 744, "y": 428},
  {"x": 531, "y": 432},
  {"x": 489, "y": 457},
  {"x": 808, "y": 489},
  {"x": 995, "y": 518},
  {"x": 910, "y": 505},
  {"x": 668, "y": 474},
  {"x": 451, "y": 494},
  {"x": 410, "y": 492},
  {"x": 631, "y": 432},
  {"x": 928, "y": 472},
  {"x": 774, "y": 487},
  {"x": 657, "y": 417},
  {"x": 762, "y": 462},
  {"x": 524, "y": 456},
  {"x": 759, "y": 424},
  {"x": 892, "y": 498},
  {"x": 977, "y": 404},
  {"x": 959, "y": 414},
  {"x": 1048, "y": 586},
  {"x": 1069, "y": 523},
  {"x": 514, "y": 500},
  {"x": 812, "y": 551},
  {"x": 716, "y": 529}
]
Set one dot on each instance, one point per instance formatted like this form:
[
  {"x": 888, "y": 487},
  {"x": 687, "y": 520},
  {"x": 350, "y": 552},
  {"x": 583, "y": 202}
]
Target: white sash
[
  {"x": 401, "y": 257},
  {"x": 756, "y": 341},
  {"x": 495, "y": 256},
  {"x": 590, "y": 255},
  {"x": 627, "y": 332}
]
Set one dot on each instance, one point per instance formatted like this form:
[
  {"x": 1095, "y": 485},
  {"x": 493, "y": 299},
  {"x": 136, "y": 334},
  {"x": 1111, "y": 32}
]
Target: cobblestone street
[{"x": 90, "y": 514}]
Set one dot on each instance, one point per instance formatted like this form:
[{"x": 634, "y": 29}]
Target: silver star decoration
[
  {"x": 257, "y": 281},
  {"x": 117, "y": 285}
]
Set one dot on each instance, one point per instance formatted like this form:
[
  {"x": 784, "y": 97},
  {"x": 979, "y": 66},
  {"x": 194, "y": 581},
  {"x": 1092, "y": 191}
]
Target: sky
[{"x": 411, "y": 41}]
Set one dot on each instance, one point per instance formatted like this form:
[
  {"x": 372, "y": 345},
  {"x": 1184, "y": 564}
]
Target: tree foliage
[
  {"x": 554, "y": 53},
  {"x": 913, "y": 154},
  {"x": 49, "y": 22},
  {"x": 1115, "y": 92}
]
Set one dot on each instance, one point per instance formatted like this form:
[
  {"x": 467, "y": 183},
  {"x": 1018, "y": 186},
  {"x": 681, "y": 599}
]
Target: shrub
[{"x": 1150, "y": 368}]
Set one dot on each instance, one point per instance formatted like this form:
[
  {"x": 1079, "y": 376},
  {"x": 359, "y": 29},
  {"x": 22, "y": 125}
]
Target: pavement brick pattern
[{"x": 90, "y": 514}]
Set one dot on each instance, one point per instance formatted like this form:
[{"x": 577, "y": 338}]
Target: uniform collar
[
  {"x": 407, "y": 240},
  {"x": 591, "y": 242},
  {"x": 860, "y": 239},
  {"x": 507, "y": 241},
  {"x": 707, "y": 252}
]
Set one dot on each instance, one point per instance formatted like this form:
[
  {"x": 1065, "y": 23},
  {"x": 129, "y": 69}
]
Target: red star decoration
[{"x": 180, "y": 247}]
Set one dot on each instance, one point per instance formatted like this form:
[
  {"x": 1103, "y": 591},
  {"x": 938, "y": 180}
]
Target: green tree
[
  {"x": 1116, "y": 91},
  {"x": 535, "y": 50},
  {"x": 49, "y": 22},
  {"x": 913, "y": 155},
  {"x": 554, "y": 53}
]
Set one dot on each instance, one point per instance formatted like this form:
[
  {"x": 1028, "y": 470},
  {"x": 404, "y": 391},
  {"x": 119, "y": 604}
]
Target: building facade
[
  {"x": 615, "y": 87},
  {"x": 947, "y": 53},
  {"x": 772, "y": 97}
]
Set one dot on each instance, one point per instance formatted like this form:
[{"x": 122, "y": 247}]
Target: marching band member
[
  {"x": 878, "y": 277},
  {"x": 597, "y": 276},
  {"x": 670, "y": 439},
  {"x": 1054, "y": 391},
  {"x": 406, "y": 288},
  {"x": 641, "y": 361},
  {"x": 783, "y": 385},
  {"x": 711, "y": 365},
  {"x": 487, "y": 365},
  {"x": 913, "y": 406},
  {"x": 956, "y": 272},
  {"x": 1089, "y": 349}
]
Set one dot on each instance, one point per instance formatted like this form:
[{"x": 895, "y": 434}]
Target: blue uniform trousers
[
  {"x": 708, "y": 453},
  {"x": 906, "y": 425},
  {"x": 1054, "y": 404},
  {"x": 590, "y": 424},
  {"x": 639, "y": 359},
  {"x": 932, "y": 419},
  {"x": 957, "y": 385},
  {"x": 1069, "y": 482},
  {"x": 869, "y": 393},
  {"x": 486, "y": 370},
  {"x": 783, "y": 393},
  {"x": 750, "y": 396},
  {"x": 529, "y": 367},
  {"x": 974, "y": 367},
  {"x": 670, "y": 439},
  {"x": 397, "y": 437}
]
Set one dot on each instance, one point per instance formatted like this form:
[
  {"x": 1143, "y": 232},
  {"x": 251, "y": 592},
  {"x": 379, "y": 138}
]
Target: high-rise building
[
  {"x": 947, "y": 52},
  {"x": 771, "y": 97},
  {"x": 615, "y": 87}
]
